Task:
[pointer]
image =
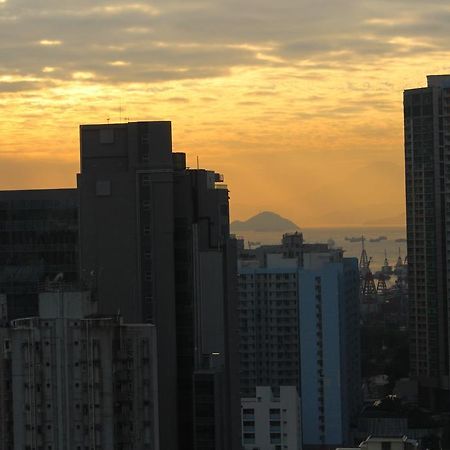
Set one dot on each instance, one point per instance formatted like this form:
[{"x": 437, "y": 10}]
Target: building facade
[
  {"x": 79, "y": 381},
  {"x": 271, "y": 422},
  {"x": 269, "y": 309},
  {"x": 38, "y": 241},
  {"x": 149, "y": 238},
  {"x": 154, "y": 241},
  {"x": 330, "y": 381},
  {"x": 299, "y": 319},
  {"x": 427, "y": 165},
  {"x": 206, "y": 310}
]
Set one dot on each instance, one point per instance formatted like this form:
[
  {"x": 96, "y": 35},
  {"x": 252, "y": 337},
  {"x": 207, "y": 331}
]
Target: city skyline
[{"x": 265, "y": 93}]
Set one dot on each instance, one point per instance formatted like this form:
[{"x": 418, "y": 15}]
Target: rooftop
[{"x": 438, "y": 81}]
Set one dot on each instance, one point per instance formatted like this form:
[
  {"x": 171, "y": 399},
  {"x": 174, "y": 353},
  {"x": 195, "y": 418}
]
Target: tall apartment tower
[
  {"x": 300, "y": 327},
  {"x": 206, "y": 311},
  {"x": 77, "y": 380},
  {"x": 155, "y": 245},
  {"x": 427, "y": 164},
  {"x": 126, "y": 237}
]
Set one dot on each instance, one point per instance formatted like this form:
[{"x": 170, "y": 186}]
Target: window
[
  {"x": 249, "y": 438},
  {"x": 275, "y": 438}
]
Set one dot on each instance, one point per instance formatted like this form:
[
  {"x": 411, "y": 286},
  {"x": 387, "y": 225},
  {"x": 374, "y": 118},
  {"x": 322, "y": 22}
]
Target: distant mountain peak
[{"x": 264, "y": 221}]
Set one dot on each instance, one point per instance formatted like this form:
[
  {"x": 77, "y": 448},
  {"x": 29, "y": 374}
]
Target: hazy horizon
[
  {"x": 298, "y": 103},
  {"x": 400, "y": 224}
]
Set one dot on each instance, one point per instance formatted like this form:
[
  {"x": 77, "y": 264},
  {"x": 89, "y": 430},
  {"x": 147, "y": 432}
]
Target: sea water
[{"x": 375, "y": 250}]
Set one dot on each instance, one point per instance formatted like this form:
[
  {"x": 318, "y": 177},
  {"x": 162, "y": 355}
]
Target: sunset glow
[{"x": 298, "y": 103}]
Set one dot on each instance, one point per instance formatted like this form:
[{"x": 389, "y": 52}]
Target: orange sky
[{"x": 299, "y": 104}]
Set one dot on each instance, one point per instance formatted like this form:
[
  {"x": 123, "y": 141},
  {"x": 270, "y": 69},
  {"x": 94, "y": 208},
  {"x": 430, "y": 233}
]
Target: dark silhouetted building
[
  {"x": 427, "y": 162},
  {"x": 154, "y": 242},
  {"x": 38, "y": 241}
]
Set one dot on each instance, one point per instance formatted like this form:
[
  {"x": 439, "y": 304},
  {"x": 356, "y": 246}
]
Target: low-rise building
[
  {"x": 389, "y": 443},
  {"x": 271, "y": 420}
]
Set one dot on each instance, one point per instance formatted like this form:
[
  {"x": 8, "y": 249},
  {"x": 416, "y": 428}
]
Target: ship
[
  {"x": 353, "y": 239},
  {"x": 378, "y": 239}
]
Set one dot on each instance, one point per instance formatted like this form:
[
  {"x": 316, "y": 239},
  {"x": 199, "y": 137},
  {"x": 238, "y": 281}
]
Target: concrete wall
[
  {"x": 272, "y": 416},
  {"x": 65, "y": 375}
]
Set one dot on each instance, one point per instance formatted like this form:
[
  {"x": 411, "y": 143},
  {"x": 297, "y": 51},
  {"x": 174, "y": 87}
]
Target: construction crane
[{"x": 367, "y": 281}]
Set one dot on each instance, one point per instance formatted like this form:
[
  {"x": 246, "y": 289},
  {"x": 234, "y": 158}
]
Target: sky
[{"x": 297, "y": 102}]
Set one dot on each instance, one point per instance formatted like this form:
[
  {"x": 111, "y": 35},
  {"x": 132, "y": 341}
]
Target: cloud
[
  {"x": 178, "y": 100},
  {"x": 18, "y": 86},
  {"x": 169, "y": 39},
  {"x": 281, "y": 96},
  {"x": 119, "y": 63},
  {"x": 50, "y": 42}
]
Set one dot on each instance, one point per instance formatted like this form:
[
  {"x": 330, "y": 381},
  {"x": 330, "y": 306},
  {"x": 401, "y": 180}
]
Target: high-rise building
[
  {"x": 299, "y": 323},
  {"x": 154, "y": 243},
  {"x": 206, "y": 310},
  {"x": 38, "y": 241},
  {"x": 427, "y": 164},
  {"x": 77, "y": 380},
  {"x": 150, "y": 239},
  {"x": 330, "y": 374}
]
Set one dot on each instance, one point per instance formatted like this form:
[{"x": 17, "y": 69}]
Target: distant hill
[{"x": 264, "y": 221}]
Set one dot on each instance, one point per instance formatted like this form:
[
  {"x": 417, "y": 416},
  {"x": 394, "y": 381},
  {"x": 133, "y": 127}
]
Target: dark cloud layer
[{"x": 144, "y": 41}]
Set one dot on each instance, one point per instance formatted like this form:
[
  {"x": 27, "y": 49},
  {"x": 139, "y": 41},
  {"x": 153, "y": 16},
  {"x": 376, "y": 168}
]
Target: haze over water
[{"x": 375, "y": 250}]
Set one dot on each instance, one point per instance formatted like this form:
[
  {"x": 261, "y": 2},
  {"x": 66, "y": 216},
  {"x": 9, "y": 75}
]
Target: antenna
[
  {"x": 198, "y": 163},
  {"x": 120, "y": 111}
]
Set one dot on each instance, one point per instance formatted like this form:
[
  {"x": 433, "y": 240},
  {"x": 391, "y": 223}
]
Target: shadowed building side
[
  {"x": 427, "y": 155},
  {"x": 126, "y": 237},
  {"x": 155, "y": 245},
  {"x": 38, "y": 241},
  {"x": 207, "y": 346}
]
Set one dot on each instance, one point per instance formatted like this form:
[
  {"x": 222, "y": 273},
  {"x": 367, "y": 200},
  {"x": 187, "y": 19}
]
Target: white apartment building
[
  {"x": 79, "y": 381},
  {"x": 271, "y": 422}
]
